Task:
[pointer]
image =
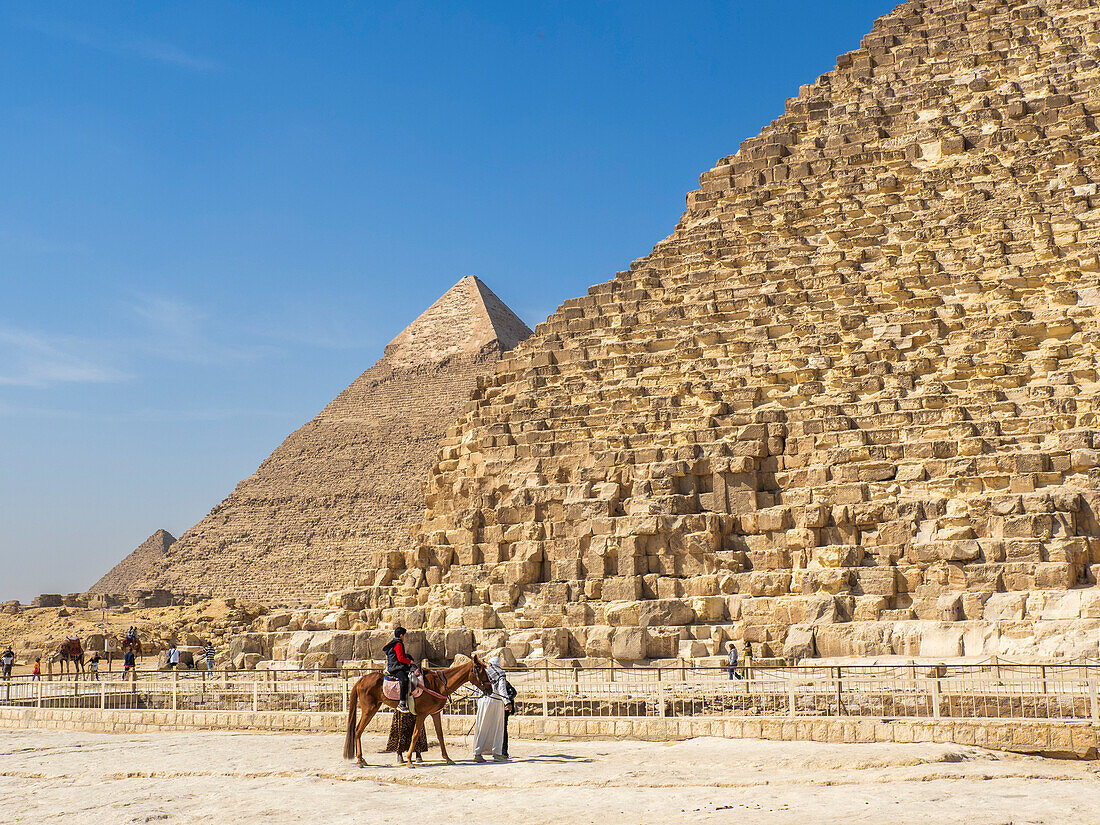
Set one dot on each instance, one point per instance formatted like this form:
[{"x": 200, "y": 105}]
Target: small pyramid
[
  {"x": 467, "y": 318},
  {"x": 131, "y": 571},
  {"x": 337, "y": 498}
]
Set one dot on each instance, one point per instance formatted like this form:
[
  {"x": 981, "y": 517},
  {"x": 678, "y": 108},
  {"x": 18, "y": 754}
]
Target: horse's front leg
[
  {"x": 437, "y": 718},
  {"x": 418, "y": 729}
]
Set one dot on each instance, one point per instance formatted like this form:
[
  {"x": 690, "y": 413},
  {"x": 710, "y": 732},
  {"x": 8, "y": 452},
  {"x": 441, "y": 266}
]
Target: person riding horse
[{"x": 398, "y": 664}]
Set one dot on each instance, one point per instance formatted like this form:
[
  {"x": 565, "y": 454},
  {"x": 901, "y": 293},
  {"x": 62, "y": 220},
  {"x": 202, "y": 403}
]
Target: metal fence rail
[{"x": 989, "y": 690}]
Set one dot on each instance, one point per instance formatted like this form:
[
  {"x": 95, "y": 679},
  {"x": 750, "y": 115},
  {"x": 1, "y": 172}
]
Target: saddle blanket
[{"x": 391, "y": 688}]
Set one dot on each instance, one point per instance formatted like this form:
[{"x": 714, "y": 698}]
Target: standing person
[
  {"x": 489, "y": 723},
  {"x": 732, "y": 662},
  {"x": 398, "y": 664},
  {"x": 7, "y": 659},
  {"x": 747, "y": 659},
  {"x": 173, "y": 657},
  {"x": 93, "y": 666},
  {"x": 400, "y": 738},
  {"x": 208, "y": 652},
  {"x": 509, "y": 709},
  {"x": 36, "y": 674},
  {"x": 129, "y": 665}
]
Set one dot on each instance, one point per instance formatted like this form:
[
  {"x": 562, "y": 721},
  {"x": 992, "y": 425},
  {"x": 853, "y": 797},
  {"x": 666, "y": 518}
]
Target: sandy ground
[{"x": 57, "y": 776}]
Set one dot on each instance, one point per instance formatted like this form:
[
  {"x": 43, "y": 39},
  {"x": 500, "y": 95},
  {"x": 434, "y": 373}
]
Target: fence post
[
  {"x": 346, "y": 691},
  {"x": 175, "y": 688},
  {"x": 576, "y": 681},
  {"x": 255, "y": 696},
  {"x": 317, "y": 672},
  {"x": 996, "y": 662},
  {"x": 683, "y": 671},
  {"x": 611, "y": 671},
  {"x": 39, "y": 683},
  {"x": 936, "y": 696},
  {"x": 102, "y": 695},
  {"x": 1093, "y": 706},
  {"x": 839, "y": 689},
  {"x": 790, "y": 695},
  {"x": 1043, "y": 671},
  {"x": 545, "y": 689},
  {"x": 661, "y": 700}
]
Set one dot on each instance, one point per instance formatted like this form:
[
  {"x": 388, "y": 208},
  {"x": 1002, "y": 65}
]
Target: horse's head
[{"x": 479, "y": 678}]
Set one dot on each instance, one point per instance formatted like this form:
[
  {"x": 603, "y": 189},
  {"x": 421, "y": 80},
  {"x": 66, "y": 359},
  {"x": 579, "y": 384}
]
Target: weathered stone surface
[{"x": 859, "y": 375}]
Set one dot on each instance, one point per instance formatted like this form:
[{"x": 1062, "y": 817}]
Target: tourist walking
[
  {"x": 129, "y": 665},
  {"x": 36, "y": 674},
  {"x": 208, "y": 652},
  {"x": 489, "y": 722},
  {"x": 93, "y": 666},
  {"x": 7, "y": 659},
  {"x": 173, "y": 657},
  {"x": 732, "y": 663}
]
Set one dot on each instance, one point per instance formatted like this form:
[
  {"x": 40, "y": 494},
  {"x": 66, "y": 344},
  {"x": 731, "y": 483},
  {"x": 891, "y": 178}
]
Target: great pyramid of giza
[
  {"x": 338, "y": 496},
  {"x": 849, "y": 406},
  {"x": 128, "y": 573}
]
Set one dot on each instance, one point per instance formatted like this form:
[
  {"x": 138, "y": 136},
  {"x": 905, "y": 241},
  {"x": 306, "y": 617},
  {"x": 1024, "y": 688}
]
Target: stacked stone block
[{"x": 847, "y": 406}]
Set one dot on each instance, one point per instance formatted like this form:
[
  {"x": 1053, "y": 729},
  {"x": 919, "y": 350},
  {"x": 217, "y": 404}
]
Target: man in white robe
[{"x": 489, "y": 724}]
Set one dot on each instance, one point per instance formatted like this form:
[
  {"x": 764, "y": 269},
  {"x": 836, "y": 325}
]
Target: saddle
[{"x": 391, "y": 687}]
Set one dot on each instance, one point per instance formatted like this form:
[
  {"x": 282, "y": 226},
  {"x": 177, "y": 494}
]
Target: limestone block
[
  {"x": 1005, "y": 606},
  {"x": 479, "y": 616},
  {"x": 325, "y": 661},
  {"x": 869, "y": 608},
  {"x": 874, "y": 581},
  {"x": 941, "y": 640},
  {"x": 707, "y": 609},
  {"x": 598, "y": 642},
  {"x": 1055, "y": 575},
  {"x": 628, "y": 643},
  {"x": 693, "y": 649},
  {"x": 626, "y": 588},
  {"x": 799, "y": 644},
  {"x": 555, "y": 643},
  {"x": 624, "y": 614},
  {"x": 663, "y": 612},
  {"x": 837, "y": 555},
  {"x": 662, "y": 643}
]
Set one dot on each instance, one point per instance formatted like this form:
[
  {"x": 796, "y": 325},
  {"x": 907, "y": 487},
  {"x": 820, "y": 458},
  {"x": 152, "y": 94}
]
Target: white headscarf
[{"x": 496, "y": 675}]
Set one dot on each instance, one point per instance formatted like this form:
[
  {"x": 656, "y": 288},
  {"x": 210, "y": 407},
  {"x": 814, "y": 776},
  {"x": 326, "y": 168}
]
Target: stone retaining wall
[{"x": 1078, "y": 740}]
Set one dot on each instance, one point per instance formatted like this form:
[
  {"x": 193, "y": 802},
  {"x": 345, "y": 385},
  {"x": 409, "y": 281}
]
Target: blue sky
[{"x": 213, "y": 216}]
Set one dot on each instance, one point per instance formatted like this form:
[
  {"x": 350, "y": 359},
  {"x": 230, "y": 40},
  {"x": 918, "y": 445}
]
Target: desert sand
[{"x": 224, "y": 777}]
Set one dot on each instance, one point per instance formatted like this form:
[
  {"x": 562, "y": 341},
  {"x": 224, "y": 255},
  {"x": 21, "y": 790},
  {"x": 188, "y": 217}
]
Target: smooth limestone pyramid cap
[
  {"x": 466, "y": 319},
  {"x": 126, "y": 574}
]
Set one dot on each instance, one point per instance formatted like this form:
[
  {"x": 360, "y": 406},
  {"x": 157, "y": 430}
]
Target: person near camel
[{"x": 398, "y": 665}]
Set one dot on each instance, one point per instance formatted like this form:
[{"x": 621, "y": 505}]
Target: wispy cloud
[
  {"x": 121, "y": 43},
  {"x": 34, "y": 359},
  {"x": 176, "y": 330}
]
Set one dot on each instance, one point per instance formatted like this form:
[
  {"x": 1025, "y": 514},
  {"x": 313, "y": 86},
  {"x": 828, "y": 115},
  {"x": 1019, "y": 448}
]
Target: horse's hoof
[{"x": 360, "y": 764}]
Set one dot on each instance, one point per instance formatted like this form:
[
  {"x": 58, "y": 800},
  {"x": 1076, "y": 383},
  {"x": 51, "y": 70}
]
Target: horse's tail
[{"x": 353, "y": 710}]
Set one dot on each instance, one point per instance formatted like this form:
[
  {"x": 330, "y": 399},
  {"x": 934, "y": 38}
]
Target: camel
[
  {"x": 439, "y": 684},
  {"x": 70, "y": 651}
]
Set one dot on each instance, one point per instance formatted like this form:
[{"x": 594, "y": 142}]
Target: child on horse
[{"x": 398, "y": 664}]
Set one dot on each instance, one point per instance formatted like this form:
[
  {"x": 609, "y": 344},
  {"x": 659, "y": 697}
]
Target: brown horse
[
  {"x": 368, "y": 693},
  {"x": 70, "y": 651}
]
